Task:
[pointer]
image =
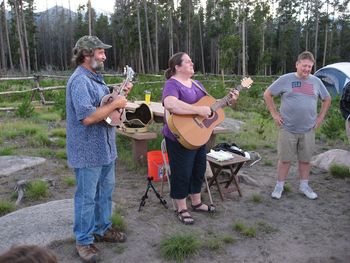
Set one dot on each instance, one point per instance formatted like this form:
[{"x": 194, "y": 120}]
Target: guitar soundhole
[{"x": 208, "y": 122}]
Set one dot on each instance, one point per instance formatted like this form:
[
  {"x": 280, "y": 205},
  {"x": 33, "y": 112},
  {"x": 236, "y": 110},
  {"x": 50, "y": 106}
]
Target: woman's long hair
[{"x": 175, "y": 60}]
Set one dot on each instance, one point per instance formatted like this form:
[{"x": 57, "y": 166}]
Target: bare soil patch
[{"x": 299, "y": 230}]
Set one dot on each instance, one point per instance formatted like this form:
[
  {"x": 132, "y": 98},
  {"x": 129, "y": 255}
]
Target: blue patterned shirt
[{"x": 91, "y": 145}]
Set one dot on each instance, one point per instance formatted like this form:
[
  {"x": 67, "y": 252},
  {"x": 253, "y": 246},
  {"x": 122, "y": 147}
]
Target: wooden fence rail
[{"x": 41, "y": 90}]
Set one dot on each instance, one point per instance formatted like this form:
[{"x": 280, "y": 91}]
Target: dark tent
[{"x": 335, "y": 76}]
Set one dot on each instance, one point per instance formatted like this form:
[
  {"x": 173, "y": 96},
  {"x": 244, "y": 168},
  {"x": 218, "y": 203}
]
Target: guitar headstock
[
  {"x": 246, "y": 82},
  {"x": 129, "y": 73}
]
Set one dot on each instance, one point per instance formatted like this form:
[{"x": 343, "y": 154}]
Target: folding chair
[{"x": 168, "y": 173}]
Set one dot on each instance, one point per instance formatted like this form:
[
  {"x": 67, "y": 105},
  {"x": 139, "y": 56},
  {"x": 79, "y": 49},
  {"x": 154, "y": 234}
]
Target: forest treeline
[{"x": 255, "y": 37}]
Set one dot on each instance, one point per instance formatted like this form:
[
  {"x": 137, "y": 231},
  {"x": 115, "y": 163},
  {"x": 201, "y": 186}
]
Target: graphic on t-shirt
[{"x": 303, "y": 87}]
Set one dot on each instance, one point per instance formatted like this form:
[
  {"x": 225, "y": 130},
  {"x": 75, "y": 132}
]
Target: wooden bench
[{"x": 139, "y": 144}]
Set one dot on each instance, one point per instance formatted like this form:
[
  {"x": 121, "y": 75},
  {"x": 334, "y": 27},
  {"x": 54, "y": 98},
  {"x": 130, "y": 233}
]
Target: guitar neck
[{"x": 225, "y": 101}]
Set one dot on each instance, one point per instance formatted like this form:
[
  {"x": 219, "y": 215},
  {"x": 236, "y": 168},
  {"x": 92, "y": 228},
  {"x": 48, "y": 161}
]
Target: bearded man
[{"x": 91, "y": 148}]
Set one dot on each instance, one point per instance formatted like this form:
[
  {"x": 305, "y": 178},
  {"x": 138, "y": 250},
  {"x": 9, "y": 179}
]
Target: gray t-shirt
[
  {"x": 298, "y": 100},
  {"x": 92, "y": 145}
]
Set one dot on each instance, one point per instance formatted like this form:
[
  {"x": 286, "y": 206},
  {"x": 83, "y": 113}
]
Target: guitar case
[{"x": 138, "y": 120}]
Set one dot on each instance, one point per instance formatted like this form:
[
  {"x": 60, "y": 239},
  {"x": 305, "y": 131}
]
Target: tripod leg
[
  {"x": 162, "y": 201},
  {"x": 144, "y": 197}
]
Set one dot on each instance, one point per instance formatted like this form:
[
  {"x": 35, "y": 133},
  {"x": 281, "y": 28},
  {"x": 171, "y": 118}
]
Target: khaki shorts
[{"x": 295, "y": 144}]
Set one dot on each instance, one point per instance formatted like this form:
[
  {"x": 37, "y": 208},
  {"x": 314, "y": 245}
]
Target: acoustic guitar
[
  {"x": 117, "y": 117},
  {"x": 193, "y": 131}
]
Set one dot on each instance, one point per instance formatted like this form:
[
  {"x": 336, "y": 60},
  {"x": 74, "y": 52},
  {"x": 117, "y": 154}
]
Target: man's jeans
[{"x": 93, "y": 202}]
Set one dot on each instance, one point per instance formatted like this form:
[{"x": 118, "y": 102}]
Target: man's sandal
[
  {"x": 187, "y": 220},
  {"x": 197, "y": 208}
]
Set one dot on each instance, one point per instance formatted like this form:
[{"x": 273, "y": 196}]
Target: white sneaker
[
  {"x": 277, "y": 192},
  {"x": 306, "y": 190}
]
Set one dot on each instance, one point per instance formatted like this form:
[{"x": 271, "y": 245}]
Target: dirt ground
[{"x": 292, "y": 229}]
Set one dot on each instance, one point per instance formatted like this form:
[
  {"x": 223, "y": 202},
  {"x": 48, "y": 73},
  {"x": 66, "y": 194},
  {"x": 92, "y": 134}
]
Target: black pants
[{"x": 187, "y": 169}]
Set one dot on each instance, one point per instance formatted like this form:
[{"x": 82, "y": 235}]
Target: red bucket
[{"x": 156, "y": 165}]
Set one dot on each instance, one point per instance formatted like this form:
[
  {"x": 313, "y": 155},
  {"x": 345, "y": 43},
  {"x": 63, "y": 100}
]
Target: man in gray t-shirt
[{"x": 297, "y": 119}]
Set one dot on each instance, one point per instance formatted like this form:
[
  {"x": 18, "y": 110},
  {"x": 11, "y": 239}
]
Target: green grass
[
  {"x": 268, "y": 163},
  {"x": 228, "y": 239},
  {"x": 6, "y": 207},
  {"x": 265, "y": 228},
  {"x": 58, "y": 132},
  {"x": 339, "y": 171},
  {"x": 6, "y": 151},
  {"x": 37, "y": 189},
  {"x": 287, "y": 188},
  {"x": 244, "y": 229},
  {"x": 118, "y": 221},
  {"x": 257, "y": 198},
  {"x": 69, "y": 181},
  {"x": 179, "y": 247},
  {"x": 61, "y": 154},
  {"x": 213, "y": 244}
]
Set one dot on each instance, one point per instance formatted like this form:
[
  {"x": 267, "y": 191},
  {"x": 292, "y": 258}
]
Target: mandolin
[
  {"x": 117, "y": 117},
  {"x": 193, "y": 131}
]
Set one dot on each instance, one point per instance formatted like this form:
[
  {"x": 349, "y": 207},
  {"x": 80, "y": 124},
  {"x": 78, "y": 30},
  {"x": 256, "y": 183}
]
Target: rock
[
  {"x": 334, "y": 156},
  {"x": 37, "y": 225},
  {"x": 247, "y": 179},
  {"x": 234, "y": 125},
  {"x": 11, "y": 164}
]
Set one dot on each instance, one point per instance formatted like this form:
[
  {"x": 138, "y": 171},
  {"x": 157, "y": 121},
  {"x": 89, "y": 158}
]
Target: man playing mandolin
[
  {"x": 187, "y": 166},
  {"x": 91, "y": 148}
]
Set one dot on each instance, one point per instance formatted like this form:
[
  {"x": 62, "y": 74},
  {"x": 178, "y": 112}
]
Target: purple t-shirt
[{"x": 172, "y": 87}]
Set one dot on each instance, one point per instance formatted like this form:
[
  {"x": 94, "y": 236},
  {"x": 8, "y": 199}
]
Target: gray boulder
[
  {"x": 334, "y": 156},
  {"x": 11, "y": 164},
  {"x": 38, "y": 225}
]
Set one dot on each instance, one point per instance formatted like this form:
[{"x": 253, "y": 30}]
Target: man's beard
[{"x": 96, "y": 65}]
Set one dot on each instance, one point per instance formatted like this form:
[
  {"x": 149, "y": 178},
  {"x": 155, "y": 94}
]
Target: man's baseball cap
[{"x": 90, "y": 42}]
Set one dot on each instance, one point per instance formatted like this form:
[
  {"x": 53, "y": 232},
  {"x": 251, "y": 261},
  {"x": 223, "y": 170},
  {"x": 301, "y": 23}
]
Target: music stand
[{"x": 145, "y": 196}]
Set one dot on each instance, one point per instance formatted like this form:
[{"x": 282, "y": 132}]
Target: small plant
[
  {"x": 249, "y": 232},
  {"x": 26, "y": 109},
  {"x": 179, "y": 247},
  {"x": 118, "y": 222},
  {"x": 245, "y": 229},
  {"x": 228, "y": 239},
  {"x": 257, "y": 198},
  {"x": 61, "y": 154},
  {"x": 6, "y": 151},
  {"x": 213, "y": 244},
  {"x": 287, "y": 188},
  {"x": 268, "y": 163},
  {"x": 6, "y": 207},
  {"x": 69, "y": 181},
  {"x": 37, "y": 189},
  {"x": 266, "y": 228},
  {"x": 339, "y": 171}
]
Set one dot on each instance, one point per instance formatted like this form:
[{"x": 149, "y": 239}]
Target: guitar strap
[{"x": 198, "y": 86}]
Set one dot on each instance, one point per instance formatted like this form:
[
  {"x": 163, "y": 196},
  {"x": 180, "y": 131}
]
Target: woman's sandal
[
  {"x": 186, "y": 220},
  {"x": 196, "y": 208}
]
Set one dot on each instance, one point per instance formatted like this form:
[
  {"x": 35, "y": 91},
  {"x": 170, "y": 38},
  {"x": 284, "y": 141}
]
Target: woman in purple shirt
[{"x": 187, "y": 166}]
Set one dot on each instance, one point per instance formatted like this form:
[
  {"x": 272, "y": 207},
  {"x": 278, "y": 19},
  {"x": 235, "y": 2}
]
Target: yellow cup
[{"x": 147, "y": 97}]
